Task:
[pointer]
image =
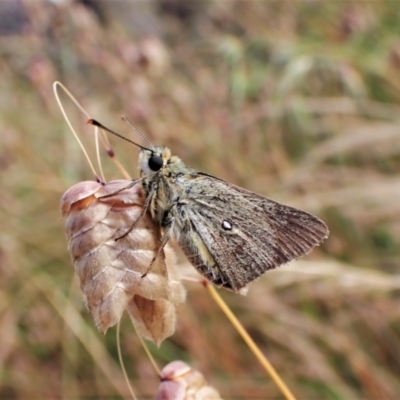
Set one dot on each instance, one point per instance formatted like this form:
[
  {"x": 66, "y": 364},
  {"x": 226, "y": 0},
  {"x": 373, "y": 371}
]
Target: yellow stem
[
  {"x": 146, "y": 349},
  {"x": 121, "y": 362},
  {"x": 249, "y": 341}
]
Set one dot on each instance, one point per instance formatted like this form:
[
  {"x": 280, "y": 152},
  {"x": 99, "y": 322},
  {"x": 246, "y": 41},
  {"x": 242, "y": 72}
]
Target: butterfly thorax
[{"x": 167, "y": 186}]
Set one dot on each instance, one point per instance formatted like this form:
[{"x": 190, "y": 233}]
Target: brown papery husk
[{"x": 114, "y": 275}]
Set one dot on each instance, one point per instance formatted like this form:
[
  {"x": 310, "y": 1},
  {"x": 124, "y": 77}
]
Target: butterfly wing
[{"x": 232, "y": 236}]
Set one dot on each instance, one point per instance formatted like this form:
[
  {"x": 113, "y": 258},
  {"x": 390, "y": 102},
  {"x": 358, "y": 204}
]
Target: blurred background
[{"x": 297, "y": 101}]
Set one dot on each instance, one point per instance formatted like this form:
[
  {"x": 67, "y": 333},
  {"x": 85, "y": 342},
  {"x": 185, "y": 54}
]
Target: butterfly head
[
  {"x": 153, "y": 161},
  {"x": 159, "y": 161}
]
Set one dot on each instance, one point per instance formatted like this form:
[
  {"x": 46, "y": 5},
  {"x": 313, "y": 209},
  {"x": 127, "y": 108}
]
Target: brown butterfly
[{"x": 229, "y": 234}]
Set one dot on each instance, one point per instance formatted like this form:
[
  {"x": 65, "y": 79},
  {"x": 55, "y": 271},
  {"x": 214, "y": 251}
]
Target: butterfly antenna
[
  {"x": 101, "y": 126},
  {"x": 124, "y": 118}
]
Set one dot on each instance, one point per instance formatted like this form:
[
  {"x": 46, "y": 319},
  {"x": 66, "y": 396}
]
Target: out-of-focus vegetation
[{"x": 295, "y": 100}]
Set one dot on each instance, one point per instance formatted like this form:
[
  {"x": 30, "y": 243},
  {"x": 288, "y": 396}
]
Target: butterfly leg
[
  {"x": 164, "y": 241},
  {"x": 144, "y": 209},
  {"x": 133, "y": 183},
  {"x": 168, "y": 222}
]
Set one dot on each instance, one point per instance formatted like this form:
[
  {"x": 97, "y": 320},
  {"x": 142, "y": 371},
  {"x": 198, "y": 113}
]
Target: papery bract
[{"x": 114, "y": 270}]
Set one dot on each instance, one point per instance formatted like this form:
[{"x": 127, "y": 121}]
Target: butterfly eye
[{"x": 155, "y": 162}]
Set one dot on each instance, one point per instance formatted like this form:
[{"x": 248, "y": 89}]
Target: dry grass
[{"x": 294, "y": 100}]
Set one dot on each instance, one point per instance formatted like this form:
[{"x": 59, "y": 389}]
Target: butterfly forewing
[{"x": 244, "y": 234}]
